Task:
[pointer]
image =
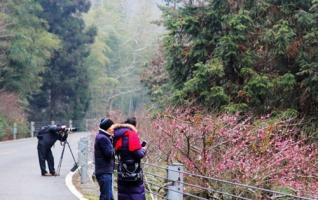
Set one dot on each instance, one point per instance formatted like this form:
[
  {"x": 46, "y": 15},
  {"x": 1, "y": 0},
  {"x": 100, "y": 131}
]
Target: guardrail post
[
  {"x": 14, "y": 131},
  {"x": 32, "y": 129},
  {"x": 70, "y": 124},
  {"x": 83, "y": 159},
  {"x": 175, "y": 175},
  {"x": 86, "y": 124}
]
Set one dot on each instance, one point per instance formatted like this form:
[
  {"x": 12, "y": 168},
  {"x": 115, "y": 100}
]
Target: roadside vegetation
[{"x": 235, "y": 89}]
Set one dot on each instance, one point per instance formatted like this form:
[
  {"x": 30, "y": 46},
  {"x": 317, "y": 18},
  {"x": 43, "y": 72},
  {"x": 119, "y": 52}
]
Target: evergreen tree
[
  {"x": 65, "y": 92},
  {"x": 25, "y": 45},
  {"x": 237, "y": 54}
]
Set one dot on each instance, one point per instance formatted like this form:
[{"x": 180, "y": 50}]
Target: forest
[
  {"x": 229, "y": 88},
  {"x": 72, "y": 59}
]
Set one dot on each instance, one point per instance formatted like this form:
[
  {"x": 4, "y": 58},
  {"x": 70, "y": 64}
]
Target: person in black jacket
[
  {"x": 104, "y": 159},
  {"x": 47, "y": 136}
]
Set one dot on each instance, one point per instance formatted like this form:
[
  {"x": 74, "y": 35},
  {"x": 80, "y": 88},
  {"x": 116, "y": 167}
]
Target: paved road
[{"x": 20, "y": 172}]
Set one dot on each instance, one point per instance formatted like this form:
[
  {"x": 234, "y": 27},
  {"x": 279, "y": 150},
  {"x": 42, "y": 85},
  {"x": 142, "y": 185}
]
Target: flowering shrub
[{"x": 264, "y": 152}]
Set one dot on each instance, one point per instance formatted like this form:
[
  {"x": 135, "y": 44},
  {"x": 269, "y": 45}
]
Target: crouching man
[{"x": 47, "y": 137}]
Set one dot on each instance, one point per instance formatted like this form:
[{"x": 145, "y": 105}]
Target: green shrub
[
  {"x": 216, "y": 97},
  {"x": 235, "y": 107}
]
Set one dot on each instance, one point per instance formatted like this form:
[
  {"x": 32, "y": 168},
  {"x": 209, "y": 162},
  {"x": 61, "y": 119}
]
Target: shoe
[
  {"x": 53, "y": 173},
  {"x": 46, "y": 174}
]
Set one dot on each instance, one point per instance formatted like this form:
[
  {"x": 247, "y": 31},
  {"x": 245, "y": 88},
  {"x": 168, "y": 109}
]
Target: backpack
[
  {"x": 129, "y": 171},
  {"x": 44, "y": 130}
]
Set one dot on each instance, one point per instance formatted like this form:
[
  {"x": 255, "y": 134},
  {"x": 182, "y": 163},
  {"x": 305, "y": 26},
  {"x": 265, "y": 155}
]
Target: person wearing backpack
[
  {"x": 129, "y": 152},
  {"x": 47, "y": 137}
]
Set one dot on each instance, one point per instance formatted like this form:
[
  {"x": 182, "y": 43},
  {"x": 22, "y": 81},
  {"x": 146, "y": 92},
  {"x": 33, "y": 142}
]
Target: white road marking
[
  {"x": 7, "y": 153},
  {"x": 71, "y": 187}
]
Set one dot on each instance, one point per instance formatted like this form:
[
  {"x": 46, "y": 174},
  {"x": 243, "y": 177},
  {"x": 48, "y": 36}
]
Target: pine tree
[
  {"x": 65, "y": 92},
  {"x": 26, "y": 46},
  {"x": 239, "y": 54}
]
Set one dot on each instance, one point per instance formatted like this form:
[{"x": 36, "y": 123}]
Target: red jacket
[{"x": 133, "y": 141}]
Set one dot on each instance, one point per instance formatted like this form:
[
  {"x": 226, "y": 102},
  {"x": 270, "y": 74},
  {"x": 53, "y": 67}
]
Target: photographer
[{"x": 47, "y": 136}]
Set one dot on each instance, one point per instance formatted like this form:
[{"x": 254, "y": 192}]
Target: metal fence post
[
  {"x": 175, "y": 175},
  {"x": 32, "y": 129},
  {"x": 83, "y": 159},
  {"x": 14, "y": 131},
  {"x": 86, "y": 124},
  {"x": 70, "y": 124}
]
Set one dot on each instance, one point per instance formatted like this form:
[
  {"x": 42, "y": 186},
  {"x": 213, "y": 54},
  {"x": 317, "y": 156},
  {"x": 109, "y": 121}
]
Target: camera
[
  {"x": 144, "y": 143},
  {"x": 70, "y": 129},
  {"x": 64, "y": 131}
]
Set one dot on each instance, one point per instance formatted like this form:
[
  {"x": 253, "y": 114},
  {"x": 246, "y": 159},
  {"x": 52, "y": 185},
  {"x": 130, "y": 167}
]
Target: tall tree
[
  {"x": 237, "y": 54},
  {"x": 65, "y": 92},
  {"x": 25, "y": 45}
]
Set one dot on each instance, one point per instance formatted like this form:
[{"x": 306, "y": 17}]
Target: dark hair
[{"x": 131, "y": 120}]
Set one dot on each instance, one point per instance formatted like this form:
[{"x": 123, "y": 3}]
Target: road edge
[{"x": 69, "y": 184}]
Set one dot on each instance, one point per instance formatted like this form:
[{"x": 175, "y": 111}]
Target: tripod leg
[
  {"x": 60, "y": 162},
  {"x": 75, "y": 163},
  {"x": 71, "y": 151}
]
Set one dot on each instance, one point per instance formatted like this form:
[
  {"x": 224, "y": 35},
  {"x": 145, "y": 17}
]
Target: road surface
[{"x": 20, "y": 177}]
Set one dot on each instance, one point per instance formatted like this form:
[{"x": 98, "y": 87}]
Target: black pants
[{"x": 45, "y": 154}]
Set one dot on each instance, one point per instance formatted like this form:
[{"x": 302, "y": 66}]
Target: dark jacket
[
  {"x": 48, "y": 135},
  {"x": 129, "y": 191},
  {"x": 104, "y": 154}
]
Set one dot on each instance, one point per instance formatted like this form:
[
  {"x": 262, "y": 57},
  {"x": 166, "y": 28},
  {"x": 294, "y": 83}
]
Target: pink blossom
[{"x": 245, "y": 152}]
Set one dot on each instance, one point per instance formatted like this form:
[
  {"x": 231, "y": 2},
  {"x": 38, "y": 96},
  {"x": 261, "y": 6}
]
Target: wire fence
[
  {"x": 271, "y": 193},
  {"x": 200, "y": 187}
]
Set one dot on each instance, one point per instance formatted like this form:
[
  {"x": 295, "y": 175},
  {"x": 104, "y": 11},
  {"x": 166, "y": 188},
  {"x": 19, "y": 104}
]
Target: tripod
[{"x": 62, "y": 155}]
